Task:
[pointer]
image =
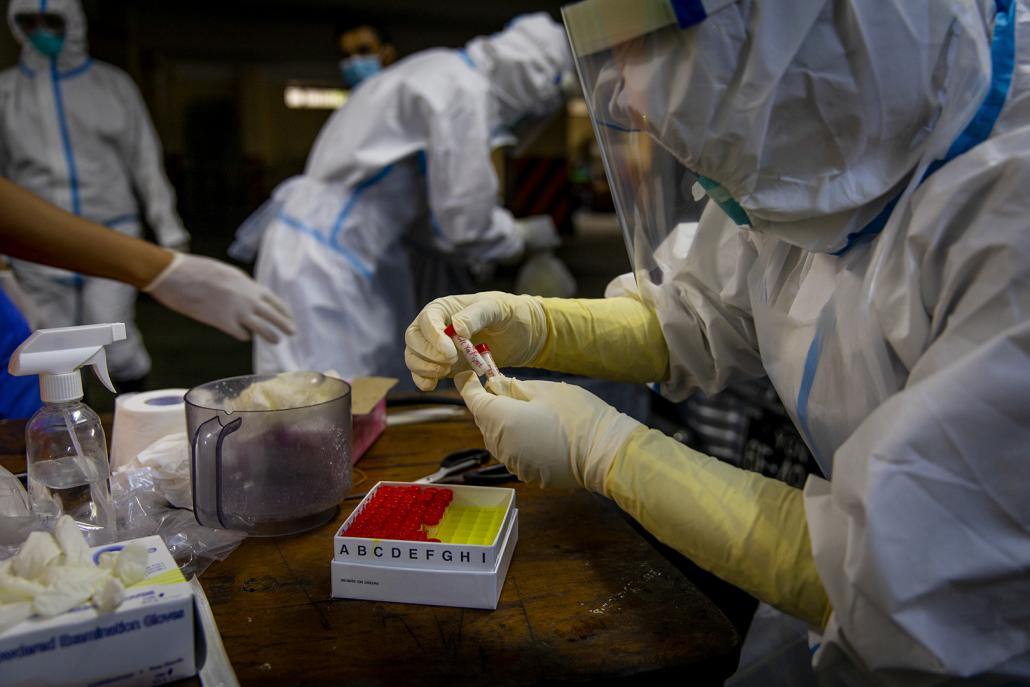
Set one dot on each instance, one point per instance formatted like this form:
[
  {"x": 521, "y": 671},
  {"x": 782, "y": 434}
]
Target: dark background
[{"x": 213, "y": 75}]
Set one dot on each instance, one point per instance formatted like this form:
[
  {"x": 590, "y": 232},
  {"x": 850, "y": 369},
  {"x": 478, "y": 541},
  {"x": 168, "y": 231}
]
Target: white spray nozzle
[{"x": 57, "y": 354}]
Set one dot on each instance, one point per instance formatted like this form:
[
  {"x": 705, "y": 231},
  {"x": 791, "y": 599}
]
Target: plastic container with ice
[{"x": 269, "y": 454}]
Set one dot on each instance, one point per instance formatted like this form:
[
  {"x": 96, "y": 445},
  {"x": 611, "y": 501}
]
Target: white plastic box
[
  {"x": 148, "y": 640},
  {"x": 434, "y": 573}
]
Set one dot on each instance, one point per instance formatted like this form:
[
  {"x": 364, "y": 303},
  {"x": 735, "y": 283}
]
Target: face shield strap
[
  {"x": 718, "y": 193},
  {"x": 1003, "y": 60}
]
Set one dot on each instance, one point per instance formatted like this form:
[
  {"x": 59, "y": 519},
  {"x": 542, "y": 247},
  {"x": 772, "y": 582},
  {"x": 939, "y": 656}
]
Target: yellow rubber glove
[
  {"x": 611, "y": 338},
  {"x": 515, "y": 328},
  {"x": 747, "y": 529},
  {"x": 548, "y": 433}
]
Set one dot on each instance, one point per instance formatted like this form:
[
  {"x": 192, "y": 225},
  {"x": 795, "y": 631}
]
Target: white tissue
[
  {"x": 34, "y": 555},
  {"x": 12, "y": 614},
  {"x": 168, "y": 459},
  {"x": 143, "y": 418},
  {"x": 108, "y": 559},
  {"x": 74, "y": 547},
  {"x": 14, "y": 589},
  {"x": 131, "y": 566},
  {"x": 42, "y": 580},
  {"x": 110, "y": 595},
  {"x": 68, "y": 587}
]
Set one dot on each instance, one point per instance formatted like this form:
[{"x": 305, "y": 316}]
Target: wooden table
[{"x": 586, "y": 598}]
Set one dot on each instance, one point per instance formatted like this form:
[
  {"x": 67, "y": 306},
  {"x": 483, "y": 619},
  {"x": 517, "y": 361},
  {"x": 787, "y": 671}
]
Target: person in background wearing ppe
[
  {"x": 867, "y": 247},
  {"x": 206, "y": 290},
  {"x": 399, "y": 186},
  {"x": 366, "y": 48},
  {"x": 76, "y": 133}
]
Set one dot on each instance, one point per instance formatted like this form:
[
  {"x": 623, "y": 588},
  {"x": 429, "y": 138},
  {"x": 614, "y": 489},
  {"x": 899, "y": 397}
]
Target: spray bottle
[{"x": 64, "y": 441}]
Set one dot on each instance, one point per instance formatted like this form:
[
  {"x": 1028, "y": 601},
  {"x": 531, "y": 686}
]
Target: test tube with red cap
[
  {"x": 468, "y": 349},
  {"x": 484, "y": 351}
]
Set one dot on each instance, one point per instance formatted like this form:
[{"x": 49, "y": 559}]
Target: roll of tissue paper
[{"x": 143, "y": 418}]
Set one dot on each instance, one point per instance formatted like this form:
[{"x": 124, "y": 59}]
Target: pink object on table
[{"x": 366, "y": 428}]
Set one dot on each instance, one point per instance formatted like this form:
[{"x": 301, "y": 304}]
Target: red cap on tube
[
  {"x": 449, "y": 330},
  {"x": 482, "y": 348}
]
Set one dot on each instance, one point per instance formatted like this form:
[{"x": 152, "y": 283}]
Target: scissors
[{"x": 458, "y": 467}]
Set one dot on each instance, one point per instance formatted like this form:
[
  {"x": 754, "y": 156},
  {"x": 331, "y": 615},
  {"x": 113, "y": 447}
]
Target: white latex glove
[
  {"x": 538, "y": 232},
  {"x": 515, "y": 328},
  {"x": 548, "y": 433},
  {"x": 221, "y": 296}
]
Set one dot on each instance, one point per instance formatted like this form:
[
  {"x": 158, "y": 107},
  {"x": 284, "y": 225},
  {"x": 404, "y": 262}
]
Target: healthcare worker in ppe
[
  {"x": 366, "y": 48},
  {"x": 76, "y": 133},
  {"x": 867, "y": 247},
  {"x": 399, "y": 193}
]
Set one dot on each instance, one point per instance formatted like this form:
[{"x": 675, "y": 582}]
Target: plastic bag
[
  {"x": 143, "y": 509},
  {"x": 168, "y": 462},
  {"x": 543, "y": 274},
  {"x": 16, "y": 520}
]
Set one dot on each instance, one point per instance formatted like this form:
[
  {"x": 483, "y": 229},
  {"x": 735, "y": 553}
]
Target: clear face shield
[{"x": 620, "y": 61}]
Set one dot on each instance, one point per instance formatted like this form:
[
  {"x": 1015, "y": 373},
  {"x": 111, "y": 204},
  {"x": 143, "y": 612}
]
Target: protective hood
[
  {"x": 812, "y": 116},
  {"x": 525, "y": 64},
  {"x": 75, "y": 49}
]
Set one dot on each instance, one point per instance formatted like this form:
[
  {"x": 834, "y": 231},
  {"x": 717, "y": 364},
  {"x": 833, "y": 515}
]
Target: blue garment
[{"x": 19, "y": 396}]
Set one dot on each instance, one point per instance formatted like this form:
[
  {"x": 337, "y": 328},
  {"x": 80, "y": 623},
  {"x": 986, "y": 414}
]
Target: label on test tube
[
  {"x": 484, "y": 351},
  {"x": 468, "y": 349}
]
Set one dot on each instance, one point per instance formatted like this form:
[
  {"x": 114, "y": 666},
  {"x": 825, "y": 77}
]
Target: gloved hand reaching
[
  {"x": 221, "y": 296},
  {"x": 548, "y": 433},
  {"x": 514, "y": 327}
]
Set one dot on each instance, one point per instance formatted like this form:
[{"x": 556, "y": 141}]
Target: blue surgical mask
[
  {"x": 47, "y": 42},
  {"x": 358, "y": 68}
]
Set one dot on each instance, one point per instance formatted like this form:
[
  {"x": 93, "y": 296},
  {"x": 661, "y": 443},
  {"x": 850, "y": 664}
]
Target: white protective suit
[
  {"x": 900, "y": 347},
  {"x": 76, "y": 133},
  {"x": 403, "y": 165}
]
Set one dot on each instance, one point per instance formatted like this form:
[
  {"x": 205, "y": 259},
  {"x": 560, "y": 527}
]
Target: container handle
[{"x": 206, "y": 470}]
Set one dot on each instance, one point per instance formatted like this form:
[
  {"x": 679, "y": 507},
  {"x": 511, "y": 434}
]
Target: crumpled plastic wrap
[
  {"x": 143, "y": 507},
  {"x": 167, "y": 461}
]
